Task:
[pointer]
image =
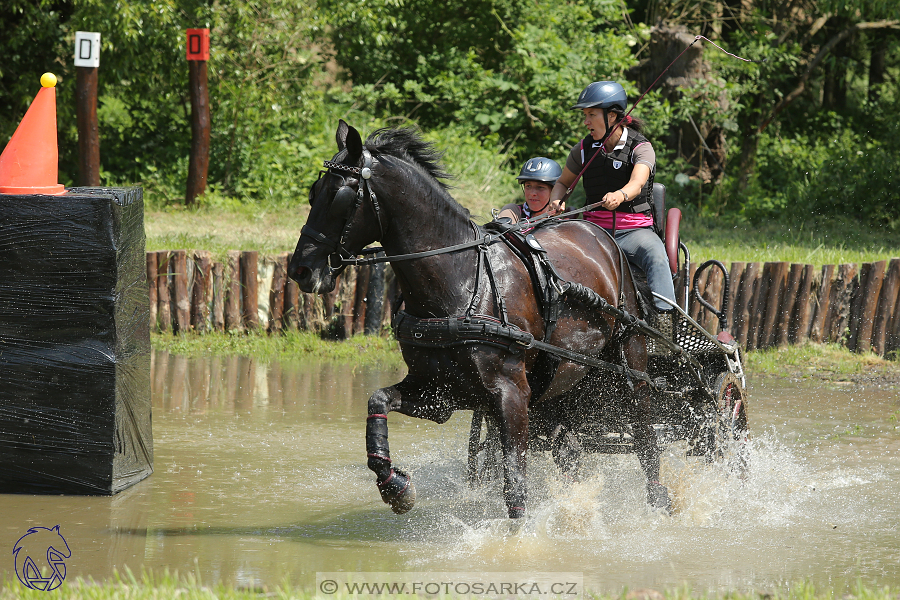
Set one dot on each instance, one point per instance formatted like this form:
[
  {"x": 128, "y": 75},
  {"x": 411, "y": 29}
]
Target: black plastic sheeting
[{"x": 74, "y": 343}]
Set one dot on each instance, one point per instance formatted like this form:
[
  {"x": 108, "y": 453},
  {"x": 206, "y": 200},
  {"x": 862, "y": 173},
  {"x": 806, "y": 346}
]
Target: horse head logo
[{"x": 40, "y": 558}]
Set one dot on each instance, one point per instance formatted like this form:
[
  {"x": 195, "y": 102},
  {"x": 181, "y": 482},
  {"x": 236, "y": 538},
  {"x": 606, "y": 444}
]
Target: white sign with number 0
[{"x": 87, "y": 49}]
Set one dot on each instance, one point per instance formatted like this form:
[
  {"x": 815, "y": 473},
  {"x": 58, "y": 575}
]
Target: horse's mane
[{"x": 407, "y": 144}]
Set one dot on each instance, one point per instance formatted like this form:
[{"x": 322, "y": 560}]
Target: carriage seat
[{"x": 667, "y": 225}]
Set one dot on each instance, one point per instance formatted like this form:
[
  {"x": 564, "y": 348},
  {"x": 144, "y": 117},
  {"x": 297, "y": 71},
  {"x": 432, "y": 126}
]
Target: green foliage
[
  {"x": 515, "y": 74},
  {"x": 833, "y": 167},
  {"x": 30, "y": 42},
  {"x": 143, "y": 105},
  {"x": 490, "y": 81}
]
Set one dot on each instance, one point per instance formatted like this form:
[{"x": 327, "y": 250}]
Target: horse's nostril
[{"x": 301, "y": 274}]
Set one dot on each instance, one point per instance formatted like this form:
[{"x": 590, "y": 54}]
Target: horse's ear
[
  {"x": 354, "y": 144},
  {"x": 341, "y": 135}
]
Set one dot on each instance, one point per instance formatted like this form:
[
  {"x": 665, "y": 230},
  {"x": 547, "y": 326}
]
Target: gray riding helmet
[
  {"x": 545, "y": 170},
  {"x": 603, "y": 94}
]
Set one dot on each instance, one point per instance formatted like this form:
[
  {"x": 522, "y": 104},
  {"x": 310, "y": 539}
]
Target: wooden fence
[
  {"x": 246, "y": 291},
  {"x": 772, "y": 304}
]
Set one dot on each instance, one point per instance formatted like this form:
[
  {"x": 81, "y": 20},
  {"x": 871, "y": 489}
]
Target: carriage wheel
[
  {"x": 732, "y": 433},
  {"x": 483, "y": 464}
]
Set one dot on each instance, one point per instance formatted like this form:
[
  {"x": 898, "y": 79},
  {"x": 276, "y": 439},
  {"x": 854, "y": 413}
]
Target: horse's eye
[{"x": 343, "y": 200}]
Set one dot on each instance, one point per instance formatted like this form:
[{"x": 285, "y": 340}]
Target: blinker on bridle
[{"x": 344, "y": 205}]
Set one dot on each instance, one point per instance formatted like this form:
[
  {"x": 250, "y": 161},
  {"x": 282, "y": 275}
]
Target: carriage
[
  {"x": 567, "y": 364},
  {"x": 698, "y": 397}
]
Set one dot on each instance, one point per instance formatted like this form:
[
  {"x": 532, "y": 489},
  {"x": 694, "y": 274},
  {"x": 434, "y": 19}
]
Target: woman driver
[{"x": 621, "y": 179}]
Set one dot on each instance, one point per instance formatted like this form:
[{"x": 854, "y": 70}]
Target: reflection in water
[{"x": 260, "y": 475}]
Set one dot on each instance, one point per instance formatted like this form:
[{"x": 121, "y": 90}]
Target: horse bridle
[{"x": 341, "y": 205}]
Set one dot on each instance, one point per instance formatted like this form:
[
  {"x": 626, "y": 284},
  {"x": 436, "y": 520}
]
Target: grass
[
  {"x": 151, "y": 586},
  {"x": 275, "y": 230},
  {"x": 293, "y": 345},
  {"x": 828, "y": 362},
  {"x": 817, "y": 242},
  {"x": 270, "y": 231}
]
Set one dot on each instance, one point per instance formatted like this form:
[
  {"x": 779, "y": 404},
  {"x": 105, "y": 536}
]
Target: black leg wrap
[{"x": 377, "y": 447}]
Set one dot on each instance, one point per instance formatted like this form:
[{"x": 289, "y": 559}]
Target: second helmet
[
  {"x": 541, "y": 169},
  {"x": 603, "y": 94}
]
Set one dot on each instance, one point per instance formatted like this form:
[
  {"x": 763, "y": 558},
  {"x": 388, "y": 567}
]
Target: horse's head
[{"x": 343, "y": 216}]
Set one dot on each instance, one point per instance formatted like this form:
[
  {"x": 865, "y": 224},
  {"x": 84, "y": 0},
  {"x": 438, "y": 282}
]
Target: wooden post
[
  {"x": 151, "y": 284},
  {"x": 233, "y": 321},
  {"x": 734, "y": 280},
  {"x": 312, "y": 315},
  {"x": 863, "y": 318},
  {"x": 799, "y": 324},
  {"x": 839, "y": 303},
  {"x": 755, "y": 337},
  {"x": 375, "y": 300},
  {"x": 87, "y": 63},
  {"x": 250, "y": 288},
  {"x": 893, "y": 338},
  {"x": 744, "y": 303},
  {"x": 292, "y": 305},
  {"x": 218, "y": 296},
  {"x": 276, "y": 294},
  {"x": 198, "y": 165},
  {"x": 181, "y": 299},
  {"x": 329, "y": 299},
  {"x": 817, "y": 331},
  {"x": 162, "y": 291},
  {"x": 789, "y": 299},
  {"x": 345, "y": 301},
  {"x": 885, "y": 311},
  {"x": 770, "y": 305},
  {"x": 201, "y": 291}
]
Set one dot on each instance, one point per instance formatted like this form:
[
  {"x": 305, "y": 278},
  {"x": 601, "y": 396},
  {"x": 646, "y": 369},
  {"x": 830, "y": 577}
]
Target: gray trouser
[{"x": 644, "y": 249}]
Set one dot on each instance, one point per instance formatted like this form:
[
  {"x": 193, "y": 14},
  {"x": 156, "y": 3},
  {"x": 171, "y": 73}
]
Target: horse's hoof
[
  {"x": 398, "y": 491},
  {"x": 404, "y": 502},
  {"x": 516, "y": 512},
  {"x": 658, "y": 497}
]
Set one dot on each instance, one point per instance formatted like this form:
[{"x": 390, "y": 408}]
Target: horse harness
[
  {"x": 473, "y": 328},
  {"x": 345, "y": 204}
]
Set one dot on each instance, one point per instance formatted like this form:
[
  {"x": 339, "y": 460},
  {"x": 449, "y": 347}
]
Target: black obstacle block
[{"x": 74, "y": 343}]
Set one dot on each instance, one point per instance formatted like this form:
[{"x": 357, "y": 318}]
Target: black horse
[{"x": 389, "y": 190}]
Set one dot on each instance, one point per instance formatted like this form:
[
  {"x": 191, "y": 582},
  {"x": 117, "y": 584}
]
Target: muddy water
[{"x": 260, "y": 477}]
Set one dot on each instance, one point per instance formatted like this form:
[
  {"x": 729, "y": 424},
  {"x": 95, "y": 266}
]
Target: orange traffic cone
[{"x": 30, "y": 162}]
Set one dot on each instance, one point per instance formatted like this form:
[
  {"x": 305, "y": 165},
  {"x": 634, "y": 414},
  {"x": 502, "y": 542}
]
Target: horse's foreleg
[
  {"x": 647, "y": 448},
  {"x": 512, "y": 415},
  {"x": 394, "y": 485}
]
